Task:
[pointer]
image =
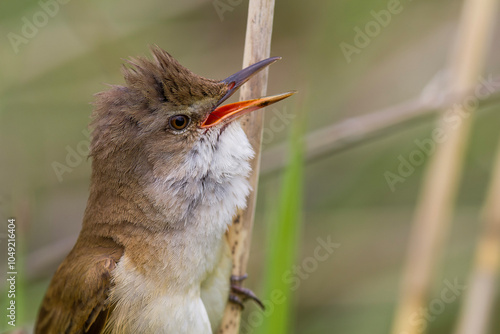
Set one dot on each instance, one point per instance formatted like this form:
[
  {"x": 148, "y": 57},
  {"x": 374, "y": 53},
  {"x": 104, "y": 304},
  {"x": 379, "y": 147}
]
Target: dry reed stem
[
  {"x": 479, "y": 299},
  {"x": 439, "y": 189},
  {"x": 257, "y": 47}
]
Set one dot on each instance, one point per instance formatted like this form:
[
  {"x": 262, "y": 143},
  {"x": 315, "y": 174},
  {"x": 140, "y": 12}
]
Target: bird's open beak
[{"x": 234, "y": 110}]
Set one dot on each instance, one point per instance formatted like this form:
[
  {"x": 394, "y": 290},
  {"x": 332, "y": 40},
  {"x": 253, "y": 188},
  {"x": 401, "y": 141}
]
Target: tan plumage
[
  {"x": 152, "y": 256},
  {"x": 76, "y": 301}
]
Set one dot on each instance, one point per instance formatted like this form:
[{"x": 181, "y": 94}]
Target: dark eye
[{"x": 179, "y": 122}]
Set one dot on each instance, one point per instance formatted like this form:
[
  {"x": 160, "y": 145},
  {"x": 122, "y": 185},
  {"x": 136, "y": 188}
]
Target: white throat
[{"x": 212, "y": 181}]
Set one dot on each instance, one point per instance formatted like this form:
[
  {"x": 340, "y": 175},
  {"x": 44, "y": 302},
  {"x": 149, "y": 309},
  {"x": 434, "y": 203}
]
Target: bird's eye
[{"x": 179, "y": 122}]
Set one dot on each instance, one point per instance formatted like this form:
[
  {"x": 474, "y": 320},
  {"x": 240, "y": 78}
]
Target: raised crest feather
[{"x": 164, "y": 79}]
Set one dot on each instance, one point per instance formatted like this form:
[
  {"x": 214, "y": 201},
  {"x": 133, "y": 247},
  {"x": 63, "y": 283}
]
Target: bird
[{"x": 170, "y": 167}]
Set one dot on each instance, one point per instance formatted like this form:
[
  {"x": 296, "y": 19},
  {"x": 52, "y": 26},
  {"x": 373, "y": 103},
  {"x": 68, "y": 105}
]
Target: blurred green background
[{"x": 48, "y": 80}]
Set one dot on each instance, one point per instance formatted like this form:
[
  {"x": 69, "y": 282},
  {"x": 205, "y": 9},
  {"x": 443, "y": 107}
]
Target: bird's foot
[{"x": 239, "y": 294}]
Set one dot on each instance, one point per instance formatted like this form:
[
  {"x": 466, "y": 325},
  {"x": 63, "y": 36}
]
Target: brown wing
[{"x": 76, "y": 301}]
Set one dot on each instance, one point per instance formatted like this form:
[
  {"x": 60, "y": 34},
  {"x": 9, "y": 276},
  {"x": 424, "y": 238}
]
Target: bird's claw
[{"x": 239, "y": 294}]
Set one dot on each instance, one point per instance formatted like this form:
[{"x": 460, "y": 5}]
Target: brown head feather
[
  {"x": 155, "y": 90},
  {"x": 165, "y": 80}
]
